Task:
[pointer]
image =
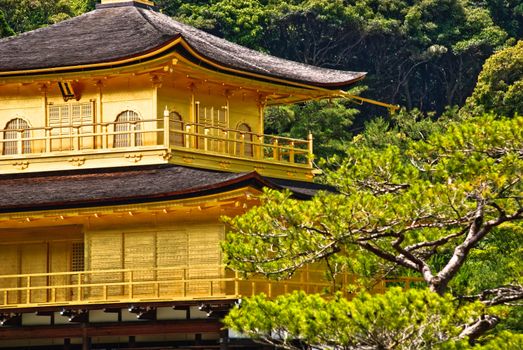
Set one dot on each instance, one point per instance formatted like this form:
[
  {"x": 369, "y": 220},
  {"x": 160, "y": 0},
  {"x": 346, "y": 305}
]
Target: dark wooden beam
[
  {"x": 114, "y": 329},
  {"x": 177, "y": 304}
]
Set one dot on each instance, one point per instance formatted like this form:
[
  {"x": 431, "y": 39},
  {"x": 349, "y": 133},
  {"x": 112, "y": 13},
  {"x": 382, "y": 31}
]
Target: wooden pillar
[
  {"x": 132, "y": 341},
  {"x": 98, "y": 115},
  {"x": 156, "y": 81},
  {"x": 86, "y": 343},
  {"x": 262, "y": 101},
  {"x": 43, "y": 89},
  {"x": 224, "y": 339},
  {"x": 67, "y": 344},
  {"x": 197, "y": 339},
  {"x": 86, "y": 340}
]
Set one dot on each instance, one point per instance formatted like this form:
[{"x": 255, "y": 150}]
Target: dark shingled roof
[
  {"x": 112, "y": 33},
  {"x": 76, "y": 189}
]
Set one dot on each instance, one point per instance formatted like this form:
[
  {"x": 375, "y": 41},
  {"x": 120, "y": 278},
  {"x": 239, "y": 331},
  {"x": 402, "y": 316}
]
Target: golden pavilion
[{"x": 126, "y": 135}]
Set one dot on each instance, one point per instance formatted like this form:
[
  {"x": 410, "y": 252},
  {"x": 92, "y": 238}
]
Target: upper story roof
[{"x": 128, "y": 32}]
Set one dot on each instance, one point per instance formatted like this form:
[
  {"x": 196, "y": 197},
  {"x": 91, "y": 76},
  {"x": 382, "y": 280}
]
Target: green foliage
[
  {"x": 241, "y": 21},
  {"x": 505, "y": 340},
  {"x": 410, "y": 203},
  {"x": 25, "y": 15},
  {"x": 440, "y": 200},
  {"x": 498, "y": 256},
  {"x": 5, "y": 29},
  {"x": 423, "y": 54},
  {"x": 415, "y": 319},
  {"x": 500, "y": 84},
  {"x": 508, "y": 14},
  {"x": 329, "y": 121}
]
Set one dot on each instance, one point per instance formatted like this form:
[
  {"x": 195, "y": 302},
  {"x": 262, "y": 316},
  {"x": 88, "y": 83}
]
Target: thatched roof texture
[{"x": 114, "y": 32}]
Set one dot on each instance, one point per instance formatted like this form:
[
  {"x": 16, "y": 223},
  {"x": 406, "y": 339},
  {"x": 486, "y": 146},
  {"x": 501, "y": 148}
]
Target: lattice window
[
  {"x": 125, "y": 124},
  {"x": 63, "y": 118},
  {"x": 77, "y": 257},
  {"x": 245, "y": 140},
  {"x": 177, "y": 128},
  {"x": 217, "y": 117},
  {"x": 16, "y": 129}
]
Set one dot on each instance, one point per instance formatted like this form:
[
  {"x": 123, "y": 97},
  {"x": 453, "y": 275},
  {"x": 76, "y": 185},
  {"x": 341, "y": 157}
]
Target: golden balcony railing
[
  {"x": 147, "y": 134},
  {"x": 154, "y": 284}
]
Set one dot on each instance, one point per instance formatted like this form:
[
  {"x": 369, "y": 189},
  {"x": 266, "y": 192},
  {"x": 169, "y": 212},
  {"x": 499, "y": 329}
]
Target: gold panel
[
  {"x": 34, "y": 260},
  {"x": 140, "y": 255},
  {"x": 10, "y": 266},
  {"x": 172, "y": 250},
  {"x": 105, "y": 252},
  {"x": 60, "y": 261},
  {"x": 204, "y": 258}
]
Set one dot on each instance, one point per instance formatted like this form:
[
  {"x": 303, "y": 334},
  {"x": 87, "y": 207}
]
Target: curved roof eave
[
  {"x": 100, "y": 190},
  {"x": 167, "y": 48},
  {"x": 149, "y": 35}
]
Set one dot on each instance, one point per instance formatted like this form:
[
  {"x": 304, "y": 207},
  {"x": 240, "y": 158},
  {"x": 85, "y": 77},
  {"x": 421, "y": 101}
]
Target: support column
[
  {"x": 132, "y": 341},
  {"x": 67, "y": 344},
  {"x": 86, "y": 340},
  {"x": 224, "y": 339},
  {"x": 43, "y": 89},
  {"x": 98, "y": 115}
]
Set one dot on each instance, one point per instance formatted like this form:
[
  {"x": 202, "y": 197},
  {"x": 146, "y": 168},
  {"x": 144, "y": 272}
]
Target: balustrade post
[
  {"x": 242, "y": 146},
  {"x": 188, "y": 136},
  {"x": 224, "y": 142},
  {"x": 166, "y": 128},
  {"x": 19, "y": 143},
  {"x": 260, "y": 154},
  {"x": 133, "y": 135},
  {"x": 76, "y": 145},
  {"x": 104, "y": 136},
  {"x": 291, "y": 152},
  {"x": 47, "y": 133},
  {"x": 275, "y": 150},
  {"x": 206, "y": 139},
  {"x": 131, "y": 285},
  {"x": 79, "y": 288},
  {"x": 28, "y": 292},
  {"x": 236, "y": 284},
  {"x": 184, "y": 283},
  {"x": 310, "y": 144}
]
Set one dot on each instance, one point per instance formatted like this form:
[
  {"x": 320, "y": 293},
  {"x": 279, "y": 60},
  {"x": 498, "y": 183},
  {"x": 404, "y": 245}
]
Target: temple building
[{"x": 126, "y": 135}]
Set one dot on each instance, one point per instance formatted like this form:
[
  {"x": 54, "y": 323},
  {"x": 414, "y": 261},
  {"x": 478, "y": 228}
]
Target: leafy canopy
[
  {"x": 434, "y": 206},
  {"x": 451, "y": 190},
  {"x": 500, "y": 85},
  {"x": 416, "y": 319}
]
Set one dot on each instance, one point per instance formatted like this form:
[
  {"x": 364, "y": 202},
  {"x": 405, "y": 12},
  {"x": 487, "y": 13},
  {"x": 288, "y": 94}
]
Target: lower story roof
[{"x": 113, "y": 186}]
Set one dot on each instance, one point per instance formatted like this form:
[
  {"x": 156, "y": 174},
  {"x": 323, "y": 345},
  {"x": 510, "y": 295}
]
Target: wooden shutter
[
  {"x": 140, "y": 255},
  {"x": 172, "y": 251},
  {"x": 105, "y": 252},
  {"x": 204, "y": 258}
]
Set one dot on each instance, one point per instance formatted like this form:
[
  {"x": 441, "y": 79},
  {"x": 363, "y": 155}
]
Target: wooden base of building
[{"x": 149, "y": 327}]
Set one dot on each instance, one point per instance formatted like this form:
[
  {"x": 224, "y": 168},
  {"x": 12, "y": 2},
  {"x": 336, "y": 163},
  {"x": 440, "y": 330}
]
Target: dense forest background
[
  {"x": 421, "y": 54},
  {"x": 447, "y": 62}
]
